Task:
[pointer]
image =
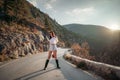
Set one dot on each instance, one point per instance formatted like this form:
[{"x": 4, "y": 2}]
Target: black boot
[
  {"x": 57, "y": 62},
  {"x": 46, "y": 63}
]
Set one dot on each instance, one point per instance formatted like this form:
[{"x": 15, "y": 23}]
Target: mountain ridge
[
  {"x": 97, "y": 36},
  {"x": 96, "y": 32}
]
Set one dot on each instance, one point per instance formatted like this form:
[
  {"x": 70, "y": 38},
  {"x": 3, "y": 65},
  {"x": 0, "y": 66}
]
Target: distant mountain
[
  {"x": 92, "y": 31},
  {"x": 97, "y": 36}
]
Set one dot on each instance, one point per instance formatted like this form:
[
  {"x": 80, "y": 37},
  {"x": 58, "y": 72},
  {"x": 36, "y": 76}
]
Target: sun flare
[{"x": 114, "y": 27}]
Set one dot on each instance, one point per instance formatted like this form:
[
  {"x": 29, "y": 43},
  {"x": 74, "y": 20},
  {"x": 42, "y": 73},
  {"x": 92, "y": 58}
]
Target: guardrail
[{"x": 105, "y": 70}]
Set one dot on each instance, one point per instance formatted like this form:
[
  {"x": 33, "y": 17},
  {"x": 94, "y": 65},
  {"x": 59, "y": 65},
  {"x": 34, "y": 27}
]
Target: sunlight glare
[{"x": 114, "y": 27}]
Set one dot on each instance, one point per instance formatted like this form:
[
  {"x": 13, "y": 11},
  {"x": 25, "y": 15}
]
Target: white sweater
[{"x": 53, "y": 40}]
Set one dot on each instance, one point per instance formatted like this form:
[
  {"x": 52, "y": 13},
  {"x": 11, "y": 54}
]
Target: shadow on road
[{"x": 34, "y": 74}]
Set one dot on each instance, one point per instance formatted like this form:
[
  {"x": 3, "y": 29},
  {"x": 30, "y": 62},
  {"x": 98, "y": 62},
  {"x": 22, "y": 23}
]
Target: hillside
[
  {"x": 104, "y": 43},
  {"x": 110, "y": 54},
  {"x": 98, "y": 33},
  {"x": 24, "y": 30},
  {"x": 97, "y": 36}
]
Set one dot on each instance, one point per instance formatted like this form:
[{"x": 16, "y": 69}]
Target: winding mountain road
[{"x": 31, "y": 68}]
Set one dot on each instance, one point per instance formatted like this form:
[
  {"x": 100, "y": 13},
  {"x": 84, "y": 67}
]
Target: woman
[{"x": 52, "y": 49}]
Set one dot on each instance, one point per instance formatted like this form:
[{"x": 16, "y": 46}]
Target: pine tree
[{"x": 47, "y": 24}]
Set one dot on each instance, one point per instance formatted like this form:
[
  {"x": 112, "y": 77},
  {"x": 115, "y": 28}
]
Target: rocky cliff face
[
  {"x": 24, "y": 30},
  {"x": 15, "y": 42}
]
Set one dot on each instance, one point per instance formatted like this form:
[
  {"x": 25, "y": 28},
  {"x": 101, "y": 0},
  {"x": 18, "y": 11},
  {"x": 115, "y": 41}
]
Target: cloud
[
  {"x": 44, "y": 4},
  {"x": 48, "y": 6},
  {"x": 90, "y": 9},
  {"x": 52, "y": 1},
  {"x": 81, "y": 15},
  {"x": 83, "y": 11}
]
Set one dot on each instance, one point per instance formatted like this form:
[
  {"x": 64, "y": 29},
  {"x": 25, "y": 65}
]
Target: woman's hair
[{"x": 52, "y": 34}]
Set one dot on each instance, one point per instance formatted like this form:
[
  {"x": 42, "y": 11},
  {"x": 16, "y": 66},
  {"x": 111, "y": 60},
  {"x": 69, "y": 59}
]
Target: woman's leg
[
  {"x": 49, "y": 54},
  {"x": 55, "y": 56},
  {"x": 47, "y": 61}
]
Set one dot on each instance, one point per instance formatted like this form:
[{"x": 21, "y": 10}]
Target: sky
[{"x": 96, "y": 12}]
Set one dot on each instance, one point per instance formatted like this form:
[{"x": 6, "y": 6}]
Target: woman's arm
[{"x": 57, "y": 39}]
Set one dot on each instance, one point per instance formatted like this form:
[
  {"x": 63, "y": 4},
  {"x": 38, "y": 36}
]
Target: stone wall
[{"x": 107, "y": 71}]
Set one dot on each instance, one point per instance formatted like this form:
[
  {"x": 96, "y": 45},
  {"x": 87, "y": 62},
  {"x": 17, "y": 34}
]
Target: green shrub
[{"x": 82, "y": 65}]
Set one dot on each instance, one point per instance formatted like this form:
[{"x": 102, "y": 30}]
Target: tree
[
  {"x": 82, "y": 51},
  {"x": 76, "y": 48},
  {"x": 85, "y": 45},
  {"x": 9, "y": 8},
  {"x": 47, "y": 24}
]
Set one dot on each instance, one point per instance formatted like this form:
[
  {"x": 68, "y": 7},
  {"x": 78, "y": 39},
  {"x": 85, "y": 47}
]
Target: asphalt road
[{"x": 31, "y": 68}]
